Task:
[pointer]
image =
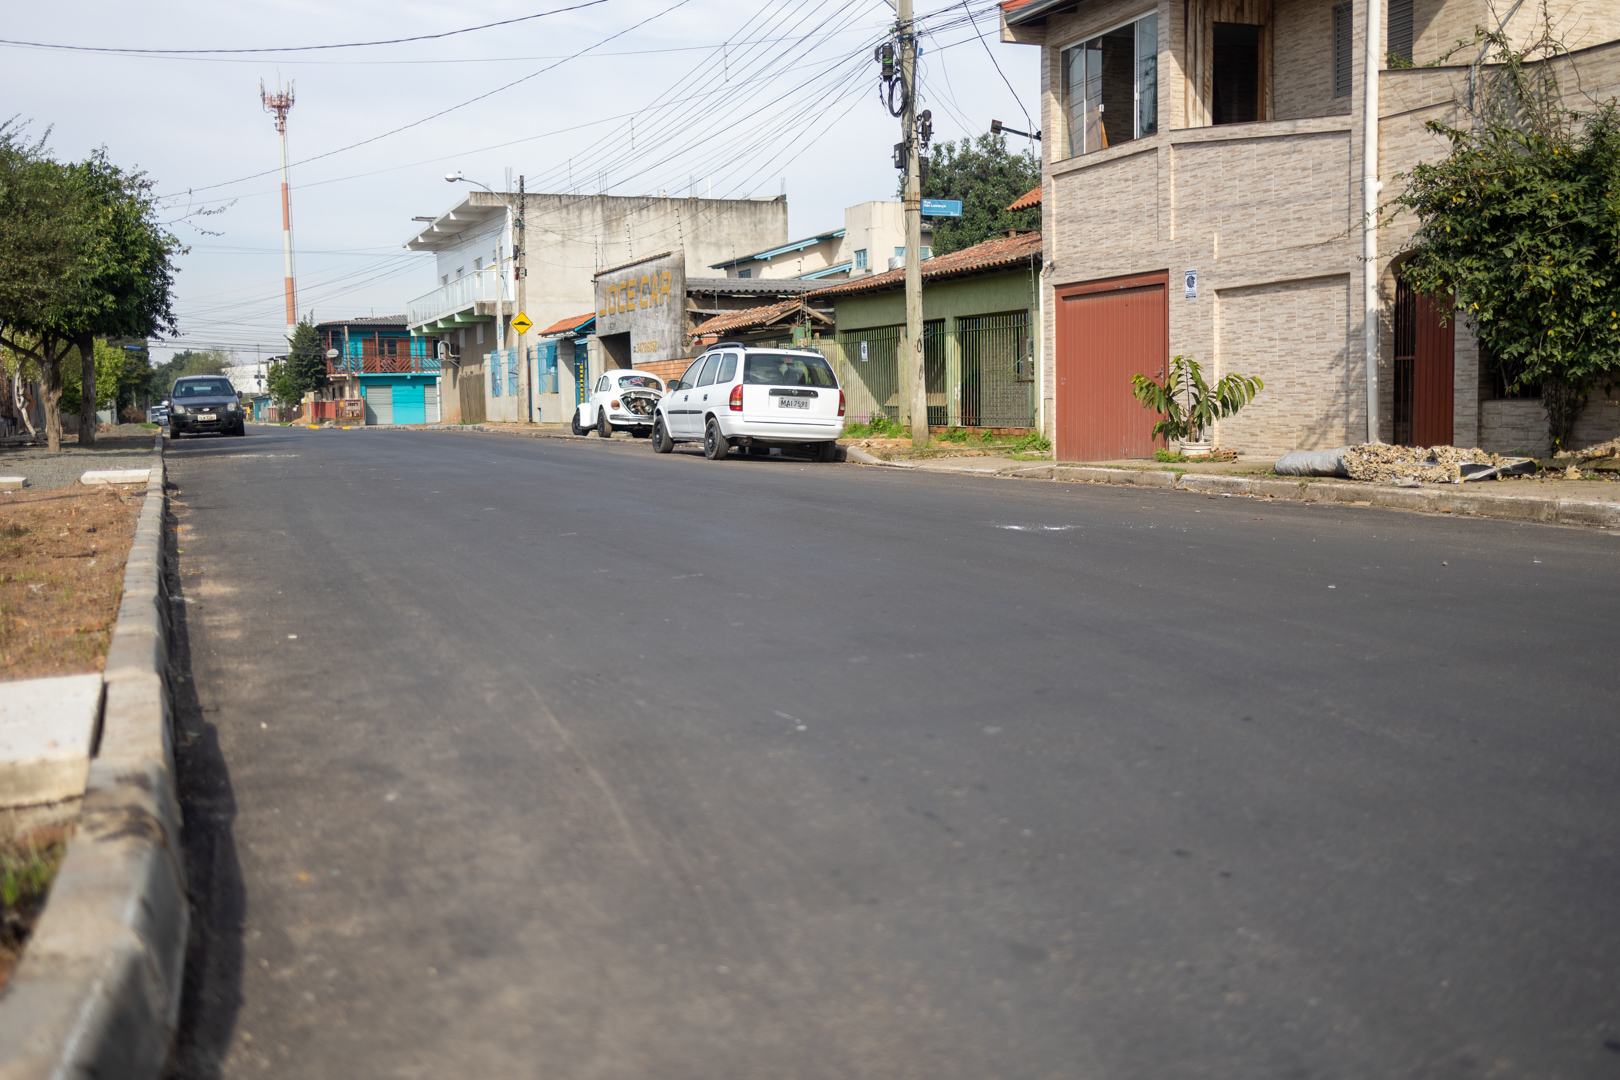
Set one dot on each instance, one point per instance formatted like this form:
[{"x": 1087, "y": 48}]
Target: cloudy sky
[{"x": 737, "y": 99}]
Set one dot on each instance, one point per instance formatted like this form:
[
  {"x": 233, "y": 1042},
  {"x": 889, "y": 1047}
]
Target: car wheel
[
  {"x": 241, "y": 429},
  {"x": 827, "y": 452},
  {"x": 715, "y": 446},
  {"x": 603, "y": 428},
  {"x": 639, "y": 433},
  {"x": 662, "y": 443},
  {"x": 573, "y": 422}
]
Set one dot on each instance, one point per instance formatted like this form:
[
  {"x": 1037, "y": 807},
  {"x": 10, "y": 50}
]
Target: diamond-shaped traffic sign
[{"x": 521, "y": 324}]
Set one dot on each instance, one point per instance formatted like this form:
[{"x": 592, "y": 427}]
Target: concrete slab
[
  {"x": 12, "y": 483},
  {"x": 116, "y": 476},
  {"x": 46, "y": 730}
]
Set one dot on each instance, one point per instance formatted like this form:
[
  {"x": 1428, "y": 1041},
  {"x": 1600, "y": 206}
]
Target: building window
[
  {"x": 478, "y": 264},
  {"x": 860, "y": 259},
  {"x": 1343, "y": 49},
  {"x": 459, "y": 271},
  {"x": 899, "y": 252},
  {"x": 1400, "y": 33},
  {"x": 745, "y": 273},
  {"x": 444, "y": 279},
  {"x": 1236, "y": 62},
  {"x": 928, "y": 252},
  {"x": 1111, "y": 87}
]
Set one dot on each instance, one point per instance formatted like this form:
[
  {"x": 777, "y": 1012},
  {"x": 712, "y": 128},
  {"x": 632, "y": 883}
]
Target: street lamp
[{"x": 518, "y": 274}]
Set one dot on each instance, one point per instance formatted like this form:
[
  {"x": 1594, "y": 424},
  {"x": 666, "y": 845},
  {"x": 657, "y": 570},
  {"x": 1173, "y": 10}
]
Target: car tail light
[
  {"x": 615, "y": 404},
  {"x": 840, "y": 403},
  {"x": 736, "y": 398}
]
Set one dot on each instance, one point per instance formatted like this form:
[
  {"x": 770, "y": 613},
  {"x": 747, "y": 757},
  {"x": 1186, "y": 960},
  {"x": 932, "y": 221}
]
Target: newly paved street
[{"x": 531, "y": 758}]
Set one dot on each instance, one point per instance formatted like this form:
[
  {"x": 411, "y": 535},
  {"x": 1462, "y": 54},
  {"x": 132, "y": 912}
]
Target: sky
[{"x": 733, "y": 99}]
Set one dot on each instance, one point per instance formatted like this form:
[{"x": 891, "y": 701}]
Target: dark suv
[{"x": 200, "y": 403}]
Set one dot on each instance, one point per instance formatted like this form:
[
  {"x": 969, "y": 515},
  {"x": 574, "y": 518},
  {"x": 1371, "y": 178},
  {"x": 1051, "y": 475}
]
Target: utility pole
[
  {"x": 280, "y": 103},
  {"x": 908, "y": 156},
  {"x": 521, "y": 273}
]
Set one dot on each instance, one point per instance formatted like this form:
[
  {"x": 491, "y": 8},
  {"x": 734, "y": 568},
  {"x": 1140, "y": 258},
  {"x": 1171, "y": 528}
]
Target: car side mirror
[{"x": 674, "y": 385}]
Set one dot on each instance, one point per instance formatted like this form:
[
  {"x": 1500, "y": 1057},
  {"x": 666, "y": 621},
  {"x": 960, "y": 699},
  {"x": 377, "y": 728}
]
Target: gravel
[{"x": 128, "y": 446}]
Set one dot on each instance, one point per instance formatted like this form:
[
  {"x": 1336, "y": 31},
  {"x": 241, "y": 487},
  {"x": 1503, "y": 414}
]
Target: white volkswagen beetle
[{"x": 621, "y": 400}]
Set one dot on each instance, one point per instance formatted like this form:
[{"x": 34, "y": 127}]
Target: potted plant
[{"x": 1189, "y": 406}]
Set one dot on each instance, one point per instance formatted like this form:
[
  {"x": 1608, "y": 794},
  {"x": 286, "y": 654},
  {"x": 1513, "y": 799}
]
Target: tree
[
  {"x": 306, "y": 359},
  {"x": 1520, "y": 223},
  {"x": 987, "y": 179},
  {"x": 109, "y": 370},
  {"x": 283, "y": 385}
]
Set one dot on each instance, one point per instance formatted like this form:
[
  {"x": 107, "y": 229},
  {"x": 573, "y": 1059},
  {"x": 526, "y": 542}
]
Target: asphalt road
[{"x": 533, "y": 758}]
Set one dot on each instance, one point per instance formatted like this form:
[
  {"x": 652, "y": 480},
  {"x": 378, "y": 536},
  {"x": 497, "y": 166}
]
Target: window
[
  {"x": 1236, "y": 90},
  {"x": 639, "y": 382},
  {"x": 603, "y": 385},
  {"x": 706, "y": 376},
  {"x": 860, "y": 259},
  {"x": 1343, "y": 51},
  {"x": 1400, "y": 33},
  {"x": 788, "y": 369},
  {"x": 459, "y": 271},
  {"x": 928, "y": 252},
  {"x": 478, "y": 264},
  {"x": 1111, "y": 87},
  {"x": 745, "y": 273},
  {"x": 899, "y": 252},
  {"x": 444, "y": 279},
  {"x": 728, "y": 368}
]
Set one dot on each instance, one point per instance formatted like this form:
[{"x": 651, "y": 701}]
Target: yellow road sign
[{"x": 521, "y": 324}]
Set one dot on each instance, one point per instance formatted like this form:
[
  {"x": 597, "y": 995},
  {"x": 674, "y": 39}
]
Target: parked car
[
  {"x": 158, "y": 414},
  {"x": 620, "y": 400},
  {"x": 203, "y": 403},
  {"x": 755, "y": 399}
]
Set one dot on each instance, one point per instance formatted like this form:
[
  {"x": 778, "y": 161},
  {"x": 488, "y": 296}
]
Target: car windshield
[
  {"x": 788, "y": 369},
  {"x": 204, "y": 388},
  {"x": 644, "y": 382}
]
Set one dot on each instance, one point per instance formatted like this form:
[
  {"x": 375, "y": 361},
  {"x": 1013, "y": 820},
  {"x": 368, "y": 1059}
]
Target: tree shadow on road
[{"x": 212, "y": 993}]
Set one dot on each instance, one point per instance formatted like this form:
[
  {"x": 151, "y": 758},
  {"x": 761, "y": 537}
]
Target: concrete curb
[
  {"x": 1466, "y": 499},
  {"x": 98, "y": 991}
]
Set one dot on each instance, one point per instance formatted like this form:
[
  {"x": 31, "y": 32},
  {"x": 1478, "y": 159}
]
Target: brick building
[{"x": 1203, "y": 194}]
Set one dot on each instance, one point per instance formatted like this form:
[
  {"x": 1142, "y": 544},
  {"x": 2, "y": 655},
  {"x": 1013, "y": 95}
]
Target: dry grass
[{"x": 62, "y": 558}]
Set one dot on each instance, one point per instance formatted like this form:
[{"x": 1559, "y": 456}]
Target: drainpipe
[{"x": 1369, "y": 211}]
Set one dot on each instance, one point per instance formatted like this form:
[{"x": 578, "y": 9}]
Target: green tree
[
  {"x": 306, "y": 358},
  {"x": 109, "y": 370},
  {"x": 1520, "y": 223},
  {"x": 283, "y": 384},
  {"x": 987, "y": 178}
]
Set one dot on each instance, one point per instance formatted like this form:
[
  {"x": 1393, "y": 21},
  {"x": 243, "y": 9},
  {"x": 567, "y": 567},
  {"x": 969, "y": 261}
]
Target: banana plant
[{"x": 1187, "y": 403}]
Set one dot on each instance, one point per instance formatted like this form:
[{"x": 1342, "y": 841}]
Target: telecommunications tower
[{"x": 280, "y": 103}]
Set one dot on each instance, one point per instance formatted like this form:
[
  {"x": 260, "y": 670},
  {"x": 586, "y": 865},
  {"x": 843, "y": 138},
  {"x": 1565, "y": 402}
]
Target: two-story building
[
  {"x": 1208, "y": 167},
  {"x": 380, "y": 363},
  {"x": 872, "y": 241}
]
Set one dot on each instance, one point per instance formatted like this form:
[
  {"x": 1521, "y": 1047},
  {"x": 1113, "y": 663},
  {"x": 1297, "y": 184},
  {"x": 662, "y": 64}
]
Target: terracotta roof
[
  {"x": 563, "y": 326},
  {"x": 1030, "y": 198},
  {"x": 757, "y": 317},
  {"x": 997, "y": 254}
]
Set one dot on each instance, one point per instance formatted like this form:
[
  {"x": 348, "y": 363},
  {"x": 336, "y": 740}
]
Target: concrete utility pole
[
  {"x": 913, "y": 373},
  {"x": 280, "y": 103},
  {"x": 521, "y": 273}
]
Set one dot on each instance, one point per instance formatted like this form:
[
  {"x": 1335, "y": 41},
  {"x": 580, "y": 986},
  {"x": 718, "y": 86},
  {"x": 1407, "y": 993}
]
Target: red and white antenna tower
[{"x": 280, "y": 103}]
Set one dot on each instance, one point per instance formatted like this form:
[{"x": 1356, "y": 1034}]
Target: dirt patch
[
  {"x": 27, "y": 869},
  {"x": 62, "y": 558}
]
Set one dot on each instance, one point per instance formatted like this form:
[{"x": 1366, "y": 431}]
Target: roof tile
[{"x": 997, "y": 254}]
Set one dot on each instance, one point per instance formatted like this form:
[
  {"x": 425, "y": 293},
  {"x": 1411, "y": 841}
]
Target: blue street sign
[{"x": 942, "y": 207}]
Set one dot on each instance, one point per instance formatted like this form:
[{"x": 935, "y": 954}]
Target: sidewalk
[{"x": 1573, "y": 502}]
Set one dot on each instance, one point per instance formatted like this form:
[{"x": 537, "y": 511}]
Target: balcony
[
  {"x": 367, "y": 361},
  {"x": 464, "y": 301}
]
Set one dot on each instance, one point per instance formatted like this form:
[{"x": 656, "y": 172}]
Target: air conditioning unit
[{"x": 896, "y": 262}]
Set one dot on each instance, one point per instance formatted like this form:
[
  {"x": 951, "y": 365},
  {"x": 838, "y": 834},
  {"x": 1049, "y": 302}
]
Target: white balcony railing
[{"x": 459, "y": 295}]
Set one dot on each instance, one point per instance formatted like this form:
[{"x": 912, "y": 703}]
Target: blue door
[{"x": 410, "y": 405}]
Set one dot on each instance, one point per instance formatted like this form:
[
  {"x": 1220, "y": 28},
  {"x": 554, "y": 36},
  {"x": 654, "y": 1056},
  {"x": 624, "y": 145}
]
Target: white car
[
  {"x": 754, "y": 399},
  {"x": 621, "y": 399}
]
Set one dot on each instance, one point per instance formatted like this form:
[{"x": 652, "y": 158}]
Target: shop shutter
[{"x": 379, "y": 404}]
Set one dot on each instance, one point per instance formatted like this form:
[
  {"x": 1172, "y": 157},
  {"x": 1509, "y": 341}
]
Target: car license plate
[
  {"x": 793, "y": 403},
  {"x": 205, "y": 416}
]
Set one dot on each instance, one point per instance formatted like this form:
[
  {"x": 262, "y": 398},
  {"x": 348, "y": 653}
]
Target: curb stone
[
  {"x": 1435, "y": 499},
  {"x": 98, "y": 991}
]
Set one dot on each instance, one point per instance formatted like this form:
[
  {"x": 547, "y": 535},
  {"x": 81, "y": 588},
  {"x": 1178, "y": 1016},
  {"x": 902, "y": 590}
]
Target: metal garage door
[
  {"x": 408, "y": 406},
  {"x": 430, "y": 403},
  {"x": 379, "y": 404},
  {"x": 1107, "y": 332}
]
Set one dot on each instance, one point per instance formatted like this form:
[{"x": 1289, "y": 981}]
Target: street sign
[
  {"x": 942, "y": 207},
  {"x": 521, "y": 324},
  {"x": 1191, "y": 279}
]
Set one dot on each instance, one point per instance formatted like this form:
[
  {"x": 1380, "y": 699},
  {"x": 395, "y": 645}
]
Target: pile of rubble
[
  {"x": 1610, "y": 449},
  {"x": 1384, "y": 464}
]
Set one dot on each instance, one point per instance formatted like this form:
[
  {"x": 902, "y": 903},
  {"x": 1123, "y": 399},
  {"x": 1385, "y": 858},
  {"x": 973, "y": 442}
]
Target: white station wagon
[{"x": 754, "y": 399}]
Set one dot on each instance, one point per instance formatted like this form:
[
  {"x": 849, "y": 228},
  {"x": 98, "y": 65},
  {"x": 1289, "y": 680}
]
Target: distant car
[
  {"x": 158, "y": 414},
  {"x": 621, "y": 400},
  {"x": 204, "y": 403},
  {"x": 754, "y": 399}
]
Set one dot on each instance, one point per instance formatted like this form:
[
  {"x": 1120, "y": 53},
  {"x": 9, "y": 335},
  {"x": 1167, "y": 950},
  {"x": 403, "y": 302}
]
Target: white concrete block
[
  {"x": 115, "y": 476},
  {"x": 46, "y": 728},
  {"x": 12, "y": 483}
]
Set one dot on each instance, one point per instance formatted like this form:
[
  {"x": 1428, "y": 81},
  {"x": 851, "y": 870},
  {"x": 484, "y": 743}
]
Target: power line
[{"x": 298, "y": 48}]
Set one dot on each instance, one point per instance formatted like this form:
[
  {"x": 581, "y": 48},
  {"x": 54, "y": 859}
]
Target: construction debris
[
  {"x": 1610, "y": 449},
  {"x": 1383, "y": 464}
]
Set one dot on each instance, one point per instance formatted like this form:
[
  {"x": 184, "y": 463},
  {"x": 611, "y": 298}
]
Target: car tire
[
  {"x": 827, "y": 452},
  {"x": 603, "y": 428},
  {"x": 241, "y": 429},
  {"x": 662, "y": 443},
  {"x": 639, "y": 433},
  {"x": 715, "y": 446},
  {"x": 573, "y": 422}
]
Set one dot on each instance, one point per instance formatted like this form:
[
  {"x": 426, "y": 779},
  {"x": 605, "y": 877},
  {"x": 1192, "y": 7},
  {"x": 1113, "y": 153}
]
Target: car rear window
[
  {"x": 203, "y": 388},
  {"x": 643, "y": 382},
  {"x": 788, "y": 369}
]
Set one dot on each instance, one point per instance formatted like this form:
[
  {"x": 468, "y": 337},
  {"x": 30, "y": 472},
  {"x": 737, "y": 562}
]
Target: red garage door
[{"x": 1107, "y": 332}]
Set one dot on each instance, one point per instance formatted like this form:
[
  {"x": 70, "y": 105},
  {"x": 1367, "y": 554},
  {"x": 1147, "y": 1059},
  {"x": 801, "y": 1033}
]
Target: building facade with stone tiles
[{"x": 1202, "y": 195}]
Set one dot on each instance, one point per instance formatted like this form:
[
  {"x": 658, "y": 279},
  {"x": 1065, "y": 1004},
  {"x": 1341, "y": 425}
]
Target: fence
[{"x": 981, "y": 374}]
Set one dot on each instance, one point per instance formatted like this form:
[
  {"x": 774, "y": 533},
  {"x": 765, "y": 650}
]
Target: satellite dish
[{"x": 331, "y": 354}]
